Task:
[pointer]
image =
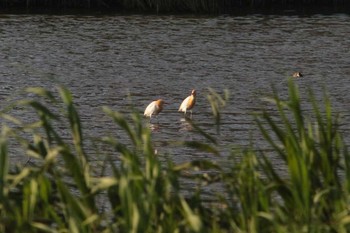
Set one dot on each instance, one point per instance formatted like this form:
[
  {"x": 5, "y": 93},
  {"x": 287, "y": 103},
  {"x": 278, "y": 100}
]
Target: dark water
[{"x": 119, "y": 61}]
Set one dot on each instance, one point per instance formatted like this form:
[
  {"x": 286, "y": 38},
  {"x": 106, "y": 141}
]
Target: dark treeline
[{"x": 180, "y": 6}]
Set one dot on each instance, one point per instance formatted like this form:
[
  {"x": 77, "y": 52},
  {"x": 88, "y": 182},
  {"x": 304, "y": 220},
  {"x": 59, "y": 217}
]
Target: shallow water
[{"x": 124, "y": 60}]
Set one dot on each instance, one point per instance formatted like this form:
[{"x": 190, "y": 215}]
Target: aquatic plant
[{"x": 130, "y": 188}]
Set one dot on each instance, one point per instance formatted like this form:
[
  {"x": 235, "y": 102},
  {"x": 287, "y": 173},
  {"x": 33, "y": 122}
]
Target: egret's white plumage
[
  {"x": 154, "y": 108},
  {"x": 188, "y": 103}
]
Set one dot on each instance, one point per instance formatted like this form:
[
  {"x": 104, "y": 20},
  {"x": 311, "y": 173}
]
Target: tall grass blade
[
  {"x": 217, "y": 103},
  {"x": 202, "y": 147},
  {"x": 192, "y": 219},
  {"x": 4, "y": 169}
]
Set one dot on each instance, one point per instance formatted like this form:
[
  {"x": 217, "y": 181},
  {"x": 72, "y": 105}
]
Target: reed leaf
[
  {"x": 217, "y": 103},
  {"x": 192, "y": 219},
  {"x": 201, "y": 132},
  {"x": 196, "y": 165},
  {"x": 74, "y": 120},
  {"x": 103, "y": 183},
  {"x": 75, "y": 212},
  {"x": 202, "y": 147},
  {"x": 41, "y": 92},
  {"x": 4, "y": 169},
  {"x": 121, "y": 121}
]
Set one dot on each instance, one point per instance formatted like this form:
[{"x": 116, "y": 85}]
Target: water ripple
[{"x": 124, "y": 61}]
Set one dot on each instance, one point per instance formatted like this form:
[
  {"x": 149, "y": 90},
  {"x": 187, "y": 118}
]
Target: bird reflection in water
[
  {"x": 186, "y": 124},
  {"x": 154, "y": 127}
]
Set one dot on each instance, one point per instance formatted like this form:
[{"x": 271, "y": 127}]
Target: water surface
[{"x": 130, "y": 60}]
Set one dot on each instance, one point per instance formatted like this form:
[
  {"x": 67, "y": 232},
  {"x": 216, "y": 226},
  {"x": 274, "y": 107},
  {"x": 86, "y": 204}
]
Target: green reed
[
  {"x": 313, "y": 194},
  {"x": 61, "y": 189}
]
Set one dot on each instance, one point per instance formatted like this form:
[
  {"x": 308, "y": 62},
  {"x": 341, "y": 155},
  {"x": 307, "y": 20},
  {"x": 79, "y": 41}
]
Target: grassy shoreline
[{"x": 178, "y": 6}]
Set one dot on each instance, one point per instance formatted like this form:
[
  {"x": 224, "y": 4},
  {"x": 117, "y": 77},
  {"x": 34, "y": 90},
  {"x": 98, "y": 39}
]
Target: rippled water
[{"x": 114, "y": 60}]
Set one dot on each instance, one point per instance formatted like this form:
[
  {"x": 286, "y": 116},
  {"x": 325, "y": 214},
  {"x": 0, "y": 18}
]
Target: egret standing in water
[
  {"x": 154, "y": 108},
  {"x": 188, "y": 103}
]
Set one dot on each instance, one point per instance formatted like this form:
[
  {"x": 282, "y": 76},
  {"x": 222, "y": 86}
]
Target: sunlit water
[{"x": 122, "y": 61}]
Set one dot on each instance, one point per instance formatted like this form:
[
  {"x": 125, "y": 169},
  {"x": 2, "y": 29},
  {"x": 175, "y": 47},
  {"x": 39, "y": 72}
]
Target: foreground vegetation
[
  {"x": 62, "y": 190},
  {"x": 174, "y": 6}
]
